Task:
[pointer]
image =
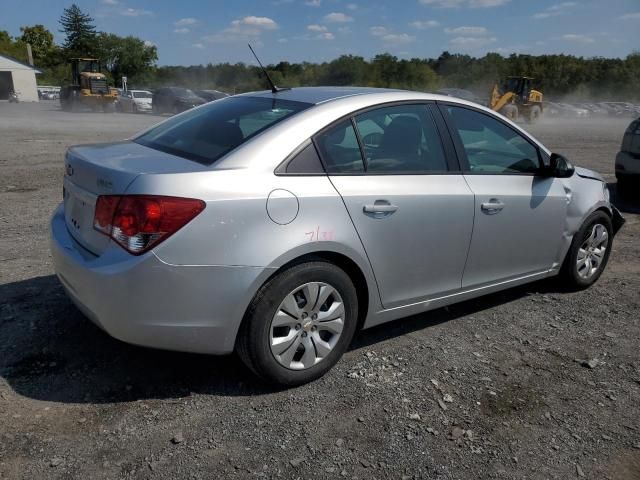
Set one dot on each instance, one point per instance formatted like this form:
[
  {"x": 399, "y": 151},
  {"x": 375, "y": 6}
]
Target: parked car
[
  {"x": 277, "y": 225},
  {"x": 571, "y": 111},
  {"x": 211, "y": 95},
  {"x": 594, "y": 110},
  {"x": 626, "y": 109},
  {"x": 552, "y": 109},
  {"x": 628, "y": 159},
  {"x": 135, "y": 101},
  {"x": 174, "y": 100}
]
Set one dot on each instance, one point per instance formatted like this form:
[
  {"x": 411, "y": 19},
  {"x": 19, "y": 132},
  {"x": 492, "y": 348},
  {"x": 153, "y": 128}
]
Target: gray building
[{"x": 18, "y": 76}]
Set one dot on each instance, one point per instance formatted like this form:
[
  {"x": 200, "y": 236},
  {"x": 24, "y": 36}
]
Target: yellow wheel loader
[
  {"x": 88, "y": 88},
  {"x": 516, "y": 99}
]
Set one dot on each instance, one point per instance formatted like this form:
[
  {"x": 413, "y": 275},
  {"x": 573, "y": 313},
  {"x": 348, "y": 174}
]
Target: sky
[{"x": 191, "y": 32}]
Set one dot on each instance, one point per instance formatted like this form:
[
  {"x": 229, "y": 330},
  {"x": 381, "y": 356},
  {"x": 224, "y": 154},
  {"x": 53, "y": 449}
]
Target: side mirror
[{"x": 560, "y": 167}]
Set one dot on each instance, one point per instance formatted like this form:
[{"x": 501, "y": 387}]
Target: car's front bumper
[
  {"x": 145, "y": 301},
  {"x": 143, "y": 107}
]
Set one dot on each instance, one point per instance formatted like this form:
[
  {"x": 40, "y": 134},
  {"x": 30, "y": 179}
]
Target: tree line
[{"x": 566, "y": 76}]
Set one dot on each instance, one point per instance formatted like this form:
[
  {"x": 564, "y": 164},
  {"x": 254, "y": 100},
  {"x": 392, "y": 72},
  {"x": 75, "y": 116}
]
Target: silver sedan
[{"x": 278, "y": 224}]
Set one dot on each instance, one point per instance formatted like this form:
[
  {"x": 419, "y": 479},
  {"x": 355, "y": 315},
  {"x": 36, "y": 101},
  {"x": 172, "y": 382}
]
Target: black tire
[
  {"x": 252, "y": 344},
  {"x": 510, "y": 111},
  {"x": 535, "y": 114},
  {"x": 569, "y": 272}
]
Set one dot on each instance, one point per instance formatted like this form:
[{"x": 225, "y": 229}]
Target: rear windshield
[{"x": 207, "y": 133}]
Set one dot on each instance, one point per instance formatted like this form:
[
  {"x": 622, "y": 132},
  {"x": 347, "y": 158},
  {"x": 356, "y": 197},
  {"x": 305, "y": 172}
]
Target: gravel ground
[{"x": 497, "y": 387}]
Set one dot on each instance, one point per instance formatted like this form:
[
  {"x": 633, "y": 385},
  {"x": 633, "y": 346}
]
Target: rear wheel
[
  {"x": 534, "y": 114},
  {"x": 299, "y": 324},
  {"x": 589, "y": 251}
]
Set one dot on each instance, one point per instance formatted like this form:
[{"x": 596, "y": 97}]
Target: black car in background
[
  {"x": 174, "y": 100},
  {"x": 211, "y": 95}
]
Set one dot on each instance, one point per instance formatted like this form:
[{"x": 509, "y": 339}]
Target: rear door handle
[
  {"x": 492, "y": 206},
  {"x": 380, "y": 208}
]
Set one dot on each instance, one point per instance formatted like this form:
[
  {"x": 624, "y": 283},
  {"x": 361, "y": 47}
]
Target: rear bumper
[
  {"x": 627, "y": 165},
  {"x": 144, "y": 301}
]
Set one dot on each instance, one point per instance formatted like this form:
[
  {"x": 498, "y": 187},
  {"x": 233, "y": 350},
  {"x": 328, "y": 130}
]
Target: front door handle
[
  {"x": 492, "y": 206},
  {"x": 380, "y": 208}
]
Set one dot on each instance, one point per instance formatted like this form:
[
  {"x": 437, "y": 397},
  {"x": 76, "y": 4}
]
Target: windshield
[
  {"x": 207, "y": 133},
  {"x": 141, "y": 94}
]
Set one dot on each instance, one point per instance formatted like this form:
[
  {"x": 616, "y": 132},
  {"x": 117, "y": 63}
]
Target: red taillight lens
[{"x": 140, "y": 222}]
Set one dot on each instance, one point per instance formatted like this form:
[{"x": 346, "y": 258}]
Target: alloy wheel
[
  {"x": 307, "y": 325},
  {"x": 592, "y": 251}
]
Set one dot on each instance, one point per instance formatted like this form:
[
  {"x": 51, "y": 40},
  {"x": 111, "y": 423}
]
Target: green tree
[
  {"x": 41, "y": 41},
  {"x": 80, "y": 32},
  {"x": 126, "y": 56}
]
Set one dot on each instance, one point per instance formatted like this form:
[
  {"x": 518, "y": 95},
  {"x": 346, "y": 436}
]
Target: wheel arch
[{"x": 351, "y": 267}]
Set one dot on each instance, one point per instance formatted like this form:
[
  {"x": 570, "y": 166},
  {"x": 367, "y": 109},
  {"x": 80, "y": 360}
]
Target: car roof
[{"x": 316, "y": 95}]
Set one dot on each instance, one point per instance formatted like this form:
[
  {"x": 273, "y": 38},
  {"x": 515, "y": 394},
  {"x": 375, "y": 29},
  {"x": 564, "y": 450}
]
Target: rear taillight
[{"x": 140, "y": 222}]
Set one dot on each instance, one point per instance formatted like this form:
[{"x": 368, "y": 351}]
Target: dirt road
[{"x": 490, "y": 388}]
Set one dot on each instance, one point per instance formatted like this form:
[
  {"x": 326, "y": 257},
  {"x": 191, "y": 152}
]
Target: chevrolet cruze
[{"x": 278, "y": 224}]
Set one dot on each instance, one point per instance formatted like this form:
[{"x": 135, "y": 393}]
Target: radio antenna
[{"x": 274, "y": 89}]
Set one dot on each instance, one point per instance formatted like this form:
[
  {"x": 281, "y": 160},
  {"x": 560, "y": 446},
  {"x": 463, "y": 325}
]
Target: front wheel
[
  {"x": 589, "y": 251},
  {"x": 299, "y": 324},
  {"x": 510, "y": 111}
]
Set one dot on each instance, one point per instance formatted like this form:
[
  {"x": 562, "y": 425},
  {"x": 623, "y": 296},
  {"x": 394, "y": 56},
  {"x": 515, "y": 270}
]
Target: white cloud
[
  {"x": 337, "y": 17},
  {"x": 352, "y": 6},
  {"x": 283, "y": 40},
  {"x": 148, "y": 43},
  {"x": 325, "y": 36},
  {"x": 424, "y": 24},
  {"x": 313, "y": 3},
  {"x": 183, "y": 22},
  {"x": 181, "y": 30},
  {"x": 243, "y": 29},
  {"x": 317, "y": 28},
  {"x": 398, "y": 38},
  {"x": 443, "y": 3},
  {"x": 578, "y": 38},
  {"x": 110, "y": 2},
  {"x": 135, "y": 12},
  {"x": 378, "y": 31},
  {"x": 463, "y": 3},
  {"x": 467, "y": 31},
  {"x": 198, "y": 45},
  {"x": 487, "y": 3},
  {"x": 554, "y": 10},
  {"x": 261, "y": 22},
  {"x": 630, "y": 16},
  {"x": 470, "y": 43}
]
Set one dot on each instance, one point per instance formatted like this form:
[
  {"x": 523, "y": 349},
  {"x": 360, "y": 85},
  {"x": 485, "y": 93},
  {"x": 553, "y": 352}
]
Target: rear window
[{"x": 208, "y": 133}]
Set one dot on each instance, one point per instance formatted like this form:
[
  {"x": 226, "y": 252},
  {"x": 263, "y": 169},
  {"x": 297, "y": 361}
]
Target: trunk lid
[{"x": 108, "y": 169}]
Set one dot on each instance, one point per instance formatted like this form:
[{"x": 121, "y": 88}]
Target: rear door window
[
  {"x": 339, "y": 149},
  {"x": 207, "y": 133},
  {"x": 401, "y": 139}
]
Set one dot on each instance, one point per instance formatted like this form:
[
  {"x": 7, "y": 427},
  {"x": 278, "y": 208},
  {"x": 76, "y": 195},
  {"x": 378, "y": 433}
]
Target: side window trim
[
  {"x": 459, "y": 147},
  {"x": 281, "y": 169},
  {"x": 365, "y": 163},
  {"x": 446, "y": 139}
]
